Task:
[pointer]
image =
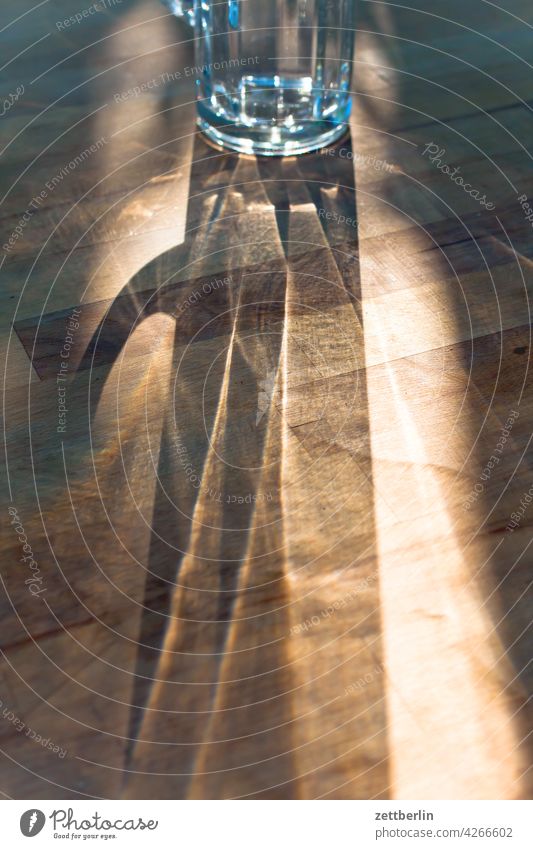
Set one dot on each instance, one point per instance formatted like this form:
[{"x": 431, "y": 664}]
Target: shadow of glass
[
  {"x": 267, "y": 271},
  {"x": 217, "y": 456}
]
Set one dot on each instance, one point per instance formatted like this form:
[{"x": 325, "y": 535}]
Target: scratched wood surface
[{"x": 268, "y": 424}]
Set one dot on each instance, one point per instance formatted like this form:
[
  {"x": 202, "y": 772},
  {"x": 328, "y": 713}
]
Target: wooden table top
[{"x": 268, "y": 423}]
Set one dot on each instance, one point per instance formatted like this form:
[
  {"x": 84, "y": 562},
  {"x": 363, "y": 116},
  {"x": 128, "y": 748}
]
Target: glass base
[{"x": 268, "y": 142}]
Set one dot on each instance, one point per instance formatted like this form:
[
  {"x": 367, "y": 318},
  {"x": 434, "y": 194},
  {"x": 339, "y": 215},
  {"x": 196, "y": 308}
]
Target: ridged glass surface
[{"x": 274, "y": 75}]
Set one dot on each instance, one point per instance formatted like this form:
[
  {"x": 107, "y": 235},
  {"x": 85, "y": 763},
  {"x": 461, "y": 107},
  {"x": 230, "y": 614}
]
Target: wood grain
[{"x": 274, "y": 559}]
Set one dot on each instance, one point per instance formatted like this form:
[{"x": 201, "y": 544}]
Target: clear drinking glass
[{"x": 273, "y": 76}]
